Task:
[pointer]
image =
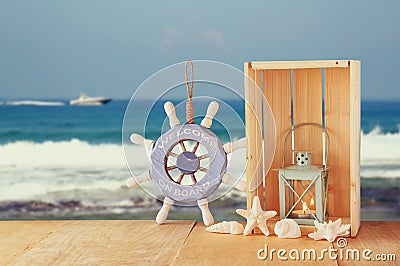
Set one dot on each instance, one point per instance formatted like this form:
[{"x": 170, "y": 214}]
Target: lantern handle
[{"x": 325, "y": 138}]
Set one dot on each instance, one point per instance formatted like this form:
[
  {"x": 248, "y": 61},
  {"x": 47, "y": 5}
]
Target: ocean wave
[
  {"x": 380, "y": 157},
  {"x": 376, "y": 148},
  {"x": 74, "y": 153},
  {"x": 380, "y": 154},
  {"x": 67, "y": 187},
  {"x": 74, "y": 169},
  {"x": 379, "y": 148}
]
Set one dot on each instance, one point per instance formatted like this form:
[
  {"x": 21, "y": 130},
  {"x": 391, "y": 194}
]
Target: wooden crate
[{"x": 324, "y": 92}]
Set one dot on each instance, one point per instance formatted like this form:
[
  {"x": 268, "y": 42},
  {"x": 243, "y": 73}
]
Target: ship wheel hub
[{"x": 188, "y": 162}]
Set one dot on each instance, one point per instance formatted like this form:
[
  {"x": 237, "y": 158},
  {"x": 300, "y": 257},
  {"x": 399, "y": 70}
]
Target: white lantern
[{"x": 303, "y": 187}]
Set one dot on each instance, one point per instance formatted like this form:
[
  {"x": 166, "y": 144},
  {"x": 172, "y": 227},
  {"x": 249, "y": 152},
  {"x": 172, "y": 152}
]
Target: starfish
[
  {"x": 256, "y": 217},
  {"x": 330, "y": 230}
]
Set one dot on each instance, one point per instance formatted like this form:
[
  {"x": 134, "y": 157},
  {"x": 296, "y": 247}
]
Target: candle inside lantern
[
  {"x": 305, "y": 213},
  {"x": 309, "y": 210}
]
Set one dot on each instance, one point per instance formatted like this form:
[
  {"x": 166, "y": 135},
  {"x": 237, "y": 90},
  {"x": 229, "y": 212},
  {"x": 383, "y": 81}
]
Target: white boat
[{"x": 87, "y": 100}]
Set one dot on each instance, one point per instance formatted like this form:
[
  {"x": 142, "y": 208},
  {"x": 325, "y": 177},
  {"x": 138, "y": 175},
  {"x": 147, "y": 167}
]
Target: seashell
[
  {"x": 330, "y": 230},
  {"x": 233, "y": 228},
  {"x": 287, "y": 228}
]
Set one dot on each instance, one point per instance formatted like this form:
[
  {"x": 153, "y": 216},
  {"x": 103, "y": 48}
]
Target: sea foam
[
  {"x": 79, "y": 154},
  {"x": 380, "y": 154},
  {"x": 380, "y": 148},
  {"x": 30, "y": 169},
  {"x": 74, "y": 153},
  {"x": 377, "y": 148},
  {"x": 75, "y": 169}
]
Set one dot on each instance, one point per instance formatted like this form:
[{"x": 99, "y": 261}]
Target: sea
[{"x": 67, "y": 162}]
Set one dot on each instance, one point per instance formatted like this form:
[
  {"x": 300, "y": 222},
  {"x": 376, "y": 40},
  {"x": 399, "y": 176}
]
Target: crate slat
[
  {"x": 253, "y": 132},
  {"x": 355, "y": 132},
  {"x": 299, "y": 64},
  {"x": 276, "y": 84},
  {"x": 337, "y": 121},
  {"x": 258, "y": 109},
  {"x": 307, "y": 105}
]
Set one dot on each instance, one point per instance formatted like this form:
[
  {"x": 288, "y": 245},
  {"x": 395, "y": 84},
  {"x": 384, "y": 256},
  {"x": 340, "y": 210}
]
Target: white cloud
[
  {"x": 213, "y": 36},
  {"x": 171, "y": 36}
]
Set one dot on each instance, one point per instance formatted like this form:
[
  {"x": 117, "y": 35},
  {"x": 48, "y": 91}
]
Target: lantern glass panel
[
  {"x": 303, "y": 194},
  {"x": 305, "y": 205}
]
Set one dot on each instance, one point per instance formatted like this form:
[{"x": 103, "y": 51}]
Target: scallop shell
[
  {"x": 233, "y": 228},
  {"x": 287, "y": 228}
]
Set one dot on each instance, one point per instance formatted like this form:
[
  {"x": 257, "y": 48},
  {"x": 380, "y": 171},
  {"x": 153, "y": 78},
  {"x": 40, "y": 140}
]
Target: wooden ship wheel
[{"x": 188, "y": 162}]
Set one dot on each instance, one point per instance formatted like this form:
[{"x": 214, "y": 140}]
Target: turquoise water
[
  {"x": 102, "y": 124},
  {"x": 93, "y": 124}
]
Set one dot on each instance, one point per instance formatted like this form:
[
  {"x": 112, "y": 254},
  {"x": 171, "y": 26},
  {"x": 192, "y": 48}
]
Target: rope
[{"x": 189, "y": 87}]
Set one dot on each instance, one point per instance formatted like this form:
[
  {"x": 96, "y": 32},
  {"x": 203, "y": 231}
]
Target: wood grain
[
  {"x": 379, "y": 237},
  {"x": 176, "y": 243},
  {"x": 253, "y": 109},
  {"x": 203, "y": 248},
  {"x": 276, "y": 86},
  {"x": 97, "y": 243},
  {"x": 337, "y": 122},
  {"x": 18, "y": 237},
  {"x": 307, "y": 104},
  {"x": 355, "y": 137},
  {"x": 259, "y": 158},
  {"x": 250, "y": 130}
]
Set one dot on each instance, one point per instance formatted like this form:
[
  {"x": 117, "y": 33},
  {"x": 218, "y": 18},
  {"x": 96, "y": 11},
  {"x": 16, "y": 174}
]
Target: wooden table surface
[{"x": 176, "y": 242}]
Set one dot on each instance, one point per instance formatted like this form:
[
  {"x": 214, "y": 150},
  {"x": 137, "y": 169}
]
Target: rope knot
[{"x": 189, "y": 87}]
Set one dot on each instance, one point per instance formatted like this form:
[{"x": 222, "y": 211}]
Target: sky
[{"x": 57, "y": 49}]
